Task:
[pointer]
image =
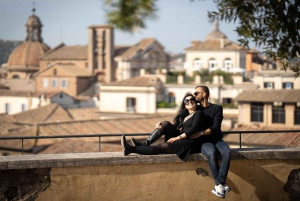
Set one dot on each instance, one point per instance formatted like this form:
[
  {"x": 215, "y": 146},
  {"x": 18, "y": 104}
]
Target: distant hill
[{"x": 6, "y": 47}]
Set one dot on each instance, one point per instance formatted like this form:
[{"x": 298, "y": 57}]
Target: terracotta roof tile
[
  {"x": 49, "y": 113},
  {"x": 265, "y": 95},
  {"x": 5, "y": 92},
  {"x": 139, "y": 46},
  {"x": 84, "y": 113},
  {"x": 67, "y": 52},
  {"x": 69, "y": 69},
  {"x": 215, "y": 45},
  {"x": 143, "y": 81},
  {"x": 286, "y": 139}
]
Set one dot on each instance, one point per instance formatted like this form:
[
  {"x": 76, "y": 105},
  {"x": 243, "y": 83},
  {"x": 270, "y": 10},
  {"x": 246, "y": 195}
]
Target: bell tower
[
  {"x": 101, "y": 51},
  {"x": 34, "y": 28}
]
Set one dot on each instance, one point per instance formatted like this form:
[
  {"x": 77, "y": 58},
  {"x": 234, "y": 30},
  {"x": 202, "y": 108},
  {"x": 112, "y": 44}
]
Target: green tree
[
  {"x": 271, "y": 24},
  {"x": 130, "y": 15},
  {"x": 6, "y": 47}
]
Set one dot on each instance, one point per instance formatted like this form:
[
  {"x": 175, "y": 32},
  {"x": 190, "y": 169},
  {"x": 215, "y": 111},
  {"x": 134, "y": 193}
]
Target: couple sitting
[{"x": 195, "y": 129}]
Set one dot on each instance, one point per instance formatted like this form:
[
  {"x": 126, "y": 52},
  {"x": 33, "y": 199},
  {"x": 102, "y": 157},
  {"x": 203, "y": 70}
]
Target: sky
[{"x": 178, "y": 22}]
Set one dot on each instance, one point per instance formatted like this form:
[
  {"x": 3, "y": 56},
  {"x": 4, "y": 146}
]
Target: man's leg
[
  {"x": 226, "y": 156},
  {"x": 209, "y": 150}
]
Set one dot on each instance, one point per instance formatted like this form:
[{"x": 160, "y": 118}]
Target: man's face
[{"x": 199, "y": 94}]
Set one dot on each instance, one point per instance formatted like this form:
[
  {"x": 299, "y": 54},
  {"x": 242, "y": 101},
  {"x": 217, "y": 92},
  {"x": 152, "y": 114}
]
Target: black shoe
[
  {"x": 125, "y": 146},
  {"x": 137, "y": 143},
  {"x": 155, "y": 135}
]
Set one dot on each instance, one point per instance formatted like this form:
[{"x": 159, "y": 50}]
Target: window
[
  {"x": 287, "y": 85},
  {"x": 86, "y": 66},
  {"x": 54, "y": 71},
  {"x": 197, "y": 64},
  {"x": 171, "y": 98},
  {"x": 131, "y": 103},
  {"x": 23, "y": 107},
  {"x": 64, "y": 83},
  {"x": 278, "y": 114},
  {"x": 228, "y": 64},
  {"x": 269, "y": 85},
  {"x": 45, "y": 83},
  {"x": 7, "y": 108},
  {"x": 16, "y": 77},
  {"x": 212, "y": 65},
  {"x": 297, "y": 116},
  {"x": 257, "y": 112},
  {"x": 227, "y": 100},
  {"x": 54, "y": 83}
]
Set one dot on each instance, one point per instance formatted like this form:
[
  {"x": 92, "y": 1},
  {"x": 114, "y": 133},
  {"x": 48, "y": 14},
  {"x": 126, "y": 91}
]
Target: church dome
[
  {"x": 27, "y": 54},
  {"x": 216, "y": 33}
]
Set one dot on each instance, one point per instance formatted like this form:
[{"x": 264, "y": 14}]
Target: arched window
[
  {"x": 197, "y": 64},
  {"x": 212, "y": 65},
  {"x": 228, "y": 64}
]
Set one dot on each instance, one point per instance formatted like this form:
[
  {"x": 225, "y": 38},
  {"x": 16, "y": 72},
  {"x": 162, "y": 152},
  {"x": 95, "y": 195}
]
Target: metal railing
[{"x": 134, "y": 134}]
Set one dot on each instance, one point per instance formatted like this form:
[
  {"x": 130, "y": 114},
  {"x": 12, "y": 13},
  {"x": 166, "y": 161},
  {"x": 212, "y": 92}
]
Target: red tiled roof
[
  {"x": 62, "y": 52},
  {"x": 49, "y": 113},
  {"x": 286, "y": 139}
]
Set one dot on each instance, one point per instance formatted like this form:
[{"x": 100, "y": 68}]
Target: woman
[{"x": 186, "y": 123}]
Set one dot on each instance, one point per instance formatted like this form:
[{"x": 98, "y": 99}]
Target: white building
[
  {"x": 215, "y": 52},
  {"x": 276, "y": 79},
  {"x": 137, "y": 95}
]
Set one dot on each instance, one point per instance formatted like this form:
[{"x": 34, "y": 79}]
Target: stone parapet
[{"x": 116, "y": 158}]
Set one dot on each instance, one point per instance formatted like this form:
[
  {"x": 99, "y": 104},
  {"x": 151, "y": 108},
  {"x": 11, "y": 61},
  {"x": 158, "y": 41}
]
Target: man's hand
[
  {"x": 173, "y": 139},
  {"x": 196, "y": 135}
]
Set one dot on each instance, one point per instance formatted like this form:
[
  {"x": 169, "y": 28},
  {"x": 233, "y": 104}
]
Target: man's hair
[{"x": 205, "y": 89}]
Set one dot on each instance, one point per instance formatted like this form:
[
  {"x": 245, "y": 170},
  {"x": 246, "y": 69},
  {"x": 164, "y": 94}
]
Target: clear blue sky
[{"x": 178, "y": 23}]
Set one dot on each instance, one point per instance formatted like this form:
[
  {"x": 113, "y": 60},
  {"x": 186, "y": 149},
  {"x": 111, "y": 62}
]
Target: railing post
[
  {"x": 22, "y": 145},
  {"x": 99, "y": 143},
  {"x": 240, "y": 140}
]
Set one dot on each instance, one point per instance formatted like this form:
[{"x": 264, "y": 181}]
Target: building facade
[{"x": 215, "y": 52}]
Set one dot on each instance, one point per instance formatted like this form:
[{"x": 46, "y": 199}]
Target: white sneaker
[
  {"x": 219, "y": 191},
  {"x": 226, "y": 189}
]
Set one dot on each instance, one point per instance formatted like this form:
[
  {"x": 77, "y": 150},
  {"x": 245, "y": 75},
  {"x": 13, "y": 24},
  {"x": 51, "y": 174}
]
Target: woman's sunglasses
[{"x": 186, "y": 101}]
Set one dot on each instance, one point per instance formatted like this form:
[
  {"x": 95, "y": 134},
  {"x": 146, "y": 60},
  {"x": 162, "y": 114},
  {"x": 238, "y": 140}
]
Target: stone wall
[{"x": 255, "y": 174}]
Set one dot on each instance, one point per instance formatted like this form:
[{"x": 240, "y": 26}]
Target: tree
[
  {"x": 271, "y": 24},
  {"x": 130, "y": 15}
]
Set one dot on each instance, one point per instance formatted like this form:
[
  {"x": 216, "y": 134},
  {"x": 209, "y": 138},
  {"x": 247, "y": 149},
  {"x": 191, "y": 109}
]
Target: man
[{"x": 212, "y": 141}]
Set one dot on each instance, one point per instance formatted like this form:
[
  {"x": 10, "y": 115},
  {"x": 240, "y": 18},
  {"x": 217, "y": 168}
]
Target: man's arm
[{"x": 216, "y": 127}]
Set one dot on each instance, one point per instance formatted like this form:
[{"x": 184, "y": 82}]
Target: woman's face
[{"x": 190, "y": 102}]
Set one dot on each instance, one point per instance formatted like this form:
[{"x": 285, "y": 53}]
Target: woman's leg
[
  {"x": 162, "y": 148},
  {"x": 166, "y": 129}
]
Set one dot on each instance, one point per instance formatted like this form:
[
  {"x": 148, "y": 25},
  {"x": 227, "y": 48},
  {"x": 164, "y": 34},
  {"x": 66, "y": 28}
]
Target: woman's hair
[{"x": 182, "y": 112}]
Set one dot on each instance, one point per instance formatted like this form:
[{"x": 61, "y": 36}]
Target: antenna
[
  {"x": 61, "y": 34},
  {"x": 33, "y": 5}
]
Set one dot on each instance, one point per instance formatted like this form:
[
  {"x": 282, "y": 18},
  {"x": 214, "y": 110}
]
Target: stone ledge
[{"x": 112, "y": 158}]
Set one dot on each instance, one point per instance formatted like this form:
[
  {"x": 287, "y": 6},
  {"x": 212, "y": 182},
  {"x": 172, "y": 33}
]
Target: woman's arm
[{"x": 196, "y": 125}]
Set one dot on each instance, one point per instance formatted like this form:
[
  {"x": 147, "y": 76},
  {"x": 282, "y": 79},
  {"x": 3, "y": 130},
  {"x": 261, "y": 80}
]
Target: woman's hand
[
  {"x": 158, "y": 125},
  {"x": 173, "y": 139}
]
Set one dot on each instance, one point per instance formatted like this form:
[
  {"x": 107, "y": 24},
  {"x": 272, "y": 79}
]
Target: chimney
[
  {"x": 180, "y": 79},
  {"x": 237, "y": 79},
  {"x": 142, "y": 72},
  {"x": 216, "y": 79},
  {"x": 197, "y": 79},
  {"x": 222, "y": 41}
]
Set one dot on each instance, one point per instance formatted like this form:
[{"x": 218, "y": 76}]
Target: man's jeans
[{"x": 211, "y": 150}]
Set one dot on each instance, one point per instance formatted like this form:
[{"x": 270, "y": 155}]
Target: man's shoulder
[{"x": 216, "y": 105}]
